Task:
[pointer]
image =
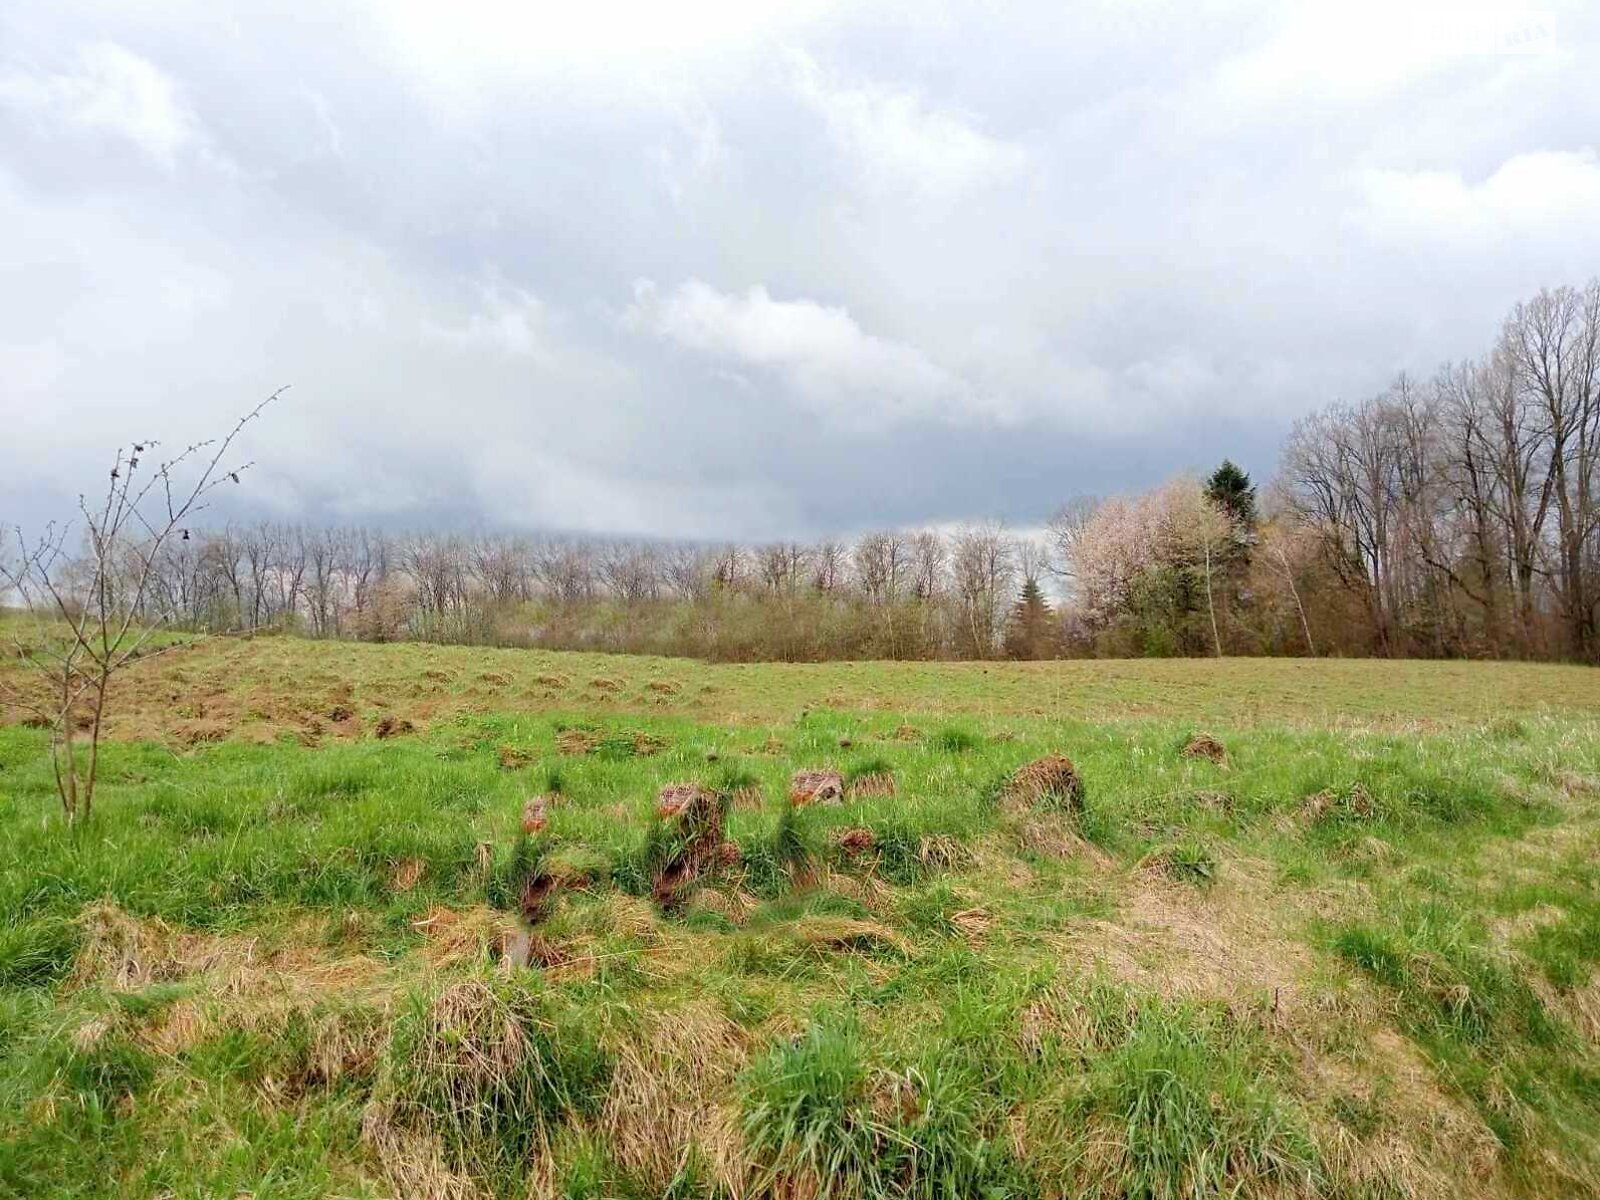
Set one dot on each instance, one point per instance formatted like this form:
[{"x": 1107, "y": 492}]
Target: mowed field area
[{"x": 418, "y": 921}]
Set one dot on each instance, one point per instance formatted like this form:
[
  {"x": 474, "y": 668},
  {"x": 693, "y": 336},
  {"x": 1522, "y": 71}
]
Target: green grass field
[{"x": 291, "y": 958}]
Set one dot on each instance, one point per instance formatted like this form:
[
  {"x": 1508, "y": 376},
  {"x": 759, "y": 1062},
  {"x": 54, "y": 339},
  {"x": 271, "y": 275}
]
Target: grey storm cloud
[{"x": 730, "y": 269}]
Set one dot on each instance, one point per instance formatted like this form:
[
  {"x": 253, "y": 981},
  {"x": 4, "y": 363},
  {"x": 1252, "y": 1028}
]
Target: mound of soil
[
  {"x": 576, "y": 741},
  {"x": 816, "y": 787},
  {"x": 697, "y": 816},
  {"x": 856, "y": 843},
  {"x": 393, "y": 727},
  {"x": 1048, "y": 782},
  {"x": 535, "y": 814},
  {"x": 1203, "y": 745}
]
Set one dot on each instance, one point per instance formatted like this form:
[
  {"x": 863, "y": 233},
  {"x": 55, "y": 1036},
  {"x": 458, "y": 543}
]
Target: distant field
[
  {"x": 257, "y": 689},
  {"x": 309, "y": 947}
]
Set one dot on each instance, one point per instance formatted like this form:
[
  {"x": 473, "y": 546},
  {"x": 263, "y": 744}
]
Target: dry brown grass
[
  {"x": 1049, "y": 781},
  {"x": 872, "y": 784},
  {"x": 671, "y": 1096},
  {"x": 1227, "y": 942}
]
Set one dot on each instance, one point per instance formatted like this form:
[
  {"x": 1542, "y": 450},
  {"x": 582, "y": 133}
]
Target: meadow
[{"x": 316, "y": 940}]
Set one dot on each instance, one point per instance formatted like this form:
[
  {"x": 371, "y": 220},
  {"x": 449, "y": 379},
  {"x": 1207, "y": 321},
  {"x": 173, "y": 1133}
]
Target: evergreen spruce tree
[
  {"x": 1031, "y": 631},
  {"x": 1230, "y": 490}
]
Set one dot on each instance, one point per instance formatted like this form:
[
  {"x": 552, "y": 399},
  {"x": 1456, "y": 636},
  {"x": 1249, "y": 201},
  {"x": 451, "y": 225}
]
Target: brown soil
[
  {"x": 697, "y": 818},
  {"x": 512, "y": 758},
  {"x": 535, "y": 814},
  {"x": 816, "y": 787},
  {"x": 1203, "y": 745}
]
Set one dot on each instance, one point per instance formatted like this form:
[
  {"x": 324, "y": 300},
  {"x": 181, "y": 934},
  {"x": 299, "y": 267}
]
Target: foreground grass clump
[
  {"x": 1029, "y": 951},
  {"x": 1170, "y": 1100},
  {"x": 491, "y": 1069}
]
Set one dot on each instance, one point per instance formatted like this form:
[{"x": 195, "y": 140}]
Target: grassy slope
[{"x": 269, "y": 965}]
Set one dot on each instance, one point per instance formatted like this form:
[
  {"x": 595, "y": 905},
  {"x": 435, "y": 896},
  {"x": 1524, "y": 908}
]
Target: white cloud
[
  {"x": 1541, "y": 194},
  {"x": 508, "y": 321},
  {"x": 112, "y": 91},
  {"x": 899, "y": 140},
  {"x": 1365, "y": 48},
  {"x": 820, "y": 351}
]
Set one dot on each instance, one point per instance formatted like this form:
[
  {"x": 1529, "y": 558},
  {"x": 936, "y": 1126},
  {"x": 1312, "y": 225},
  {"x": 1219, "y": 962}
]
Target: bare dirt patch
[{"x": 824, "y": 787}]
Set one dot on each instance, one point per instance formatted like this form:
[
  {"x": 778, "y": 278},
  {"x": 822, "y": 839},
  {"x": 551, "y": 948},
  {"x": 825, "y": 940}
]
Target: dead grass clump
[
  {"x": 1203, "y": 745},
  {"x": 601, "y": 684},
  {"x": 484, "y": 1068},
  {"x": 202, "y": 731},
  {"x": 512, "y": 758},
  {"x": 670, "y": 1099},
  {"x": 453, "y": 937},
  {"x": 748, "y": 798},
  {"x": 848, "y": 934},
  {"x": 576, "y": 741},
  {"x": 408, "y": 872},
  {"x": 663, "y": 687},
  {"x": 125, "y": 952},
  {"x": 647, "y": 744},
  {"x": 944, "y": 852},
  {"x": 1574, "y": 784},
  {"x": 494, "y": 678},
  {"x": 551, "y": 681},
  {"x": 1051, "y": 782},
  {"x": 816, "y": 787},
  {"x": 412, "y": 1161},
  {"x": 872, "y": 784},
  {"x": 1354, "y": 803},
  {"x": 390, "y": 727},
  {"x": 1225, "y": 943}
]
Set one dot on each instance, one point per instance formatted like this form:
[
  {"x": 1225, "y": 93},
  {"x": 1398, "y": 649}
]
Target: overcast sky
[{"x": 721, "y": 269}]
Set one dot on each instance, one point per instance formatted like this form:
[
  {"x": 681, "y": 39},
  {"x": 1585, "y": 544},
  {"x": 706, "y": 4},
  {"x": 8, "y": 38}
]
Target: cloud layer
[{"x": 748, "y": 270}]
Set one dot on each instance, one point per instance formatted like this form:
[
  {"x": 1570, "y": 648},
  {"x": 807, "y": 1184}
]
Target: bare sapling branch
[{"x": 94, "y": 612}]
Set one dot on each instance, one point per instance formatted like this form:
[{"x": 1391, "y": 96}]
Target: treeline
[
  {"x": 1456, "y": 516},
  {"x": 922, "y": 594}
]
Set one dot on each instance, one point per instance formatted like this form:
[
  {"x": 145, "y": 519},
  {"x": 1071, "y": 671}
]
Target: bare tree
[
  {"x": 983, "y": 566},
  {"x": 93, "y": 613}
]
